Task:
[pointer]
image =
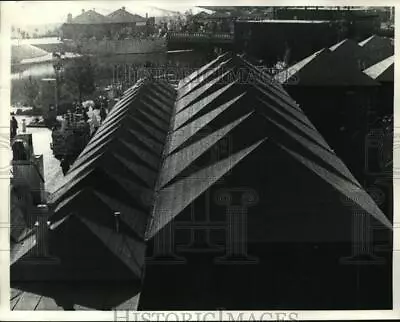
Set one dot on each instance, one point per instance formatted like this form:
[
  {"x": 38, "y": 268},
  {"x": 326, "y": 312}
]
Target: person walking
[
  {"x": 103, "y": 114},
  {"x": 65, "y": 164},
  {"x": 14, "y": 127}
]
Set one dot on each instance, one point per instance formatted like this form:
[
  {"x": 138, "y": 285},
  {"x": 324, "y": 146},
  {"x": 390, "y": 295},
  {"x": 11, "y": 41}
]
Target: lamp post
[{"x": 58, "y": 70}]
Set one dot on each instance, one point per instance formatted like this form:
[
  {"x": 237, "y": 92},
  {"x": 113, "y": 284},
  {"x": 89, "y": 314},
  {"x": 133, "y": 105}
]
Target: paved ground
[{"x": 41, "y": 143}]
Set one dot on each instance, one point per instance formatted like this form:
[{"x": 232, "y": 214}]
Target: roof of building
[
  {"x": 327, "y": 67},
  {"x": 382, "y": 71},
  {"x": 90, "y": 17},
  {"x": 123, "y": 16}
]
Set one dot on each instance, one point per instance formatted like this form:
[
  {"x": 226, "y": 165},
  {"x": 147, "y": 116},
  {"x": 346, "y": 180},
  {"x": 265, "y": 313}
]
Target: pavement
[{"x": 41, "y": 138}]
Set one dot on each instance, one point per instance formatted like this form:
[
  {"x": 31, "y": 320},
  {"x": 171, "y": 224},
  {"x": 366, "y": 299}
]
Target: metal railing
[{"x": 200, "y": 36}]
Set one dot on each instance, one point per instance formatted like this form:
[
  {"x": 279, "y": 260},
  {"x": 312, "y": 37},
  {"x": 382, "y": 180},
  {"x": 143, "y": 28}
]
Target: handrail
[{"x": 208, "y": 35}]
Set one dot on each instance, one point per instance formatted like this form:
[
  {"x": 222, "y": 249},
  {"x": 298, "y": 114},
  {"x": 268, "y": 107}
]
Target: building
[
  {"x": 228, "y": 162},
  {"x": 359, "y": 21},
  {"x": 284, "y": 40},
  {"x": 117, "y": 24}
]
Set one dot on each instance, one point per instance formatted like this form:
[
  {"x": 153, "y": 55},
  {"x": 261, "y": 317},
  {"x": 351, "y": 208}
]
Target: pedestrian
[
  {"x": 14, "y": 127},
  {"x": 65, "y": 164},
  {"x": 103, "y": 114}
]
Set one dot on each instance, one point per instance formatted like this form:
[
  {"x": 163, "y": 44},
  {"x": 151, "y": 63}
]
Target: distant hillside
[{"x": 34, "y": 31}]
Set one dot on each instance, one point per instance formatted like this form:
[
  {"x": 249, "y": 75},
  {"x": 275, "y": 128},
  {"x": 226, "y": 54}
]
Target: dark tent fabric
[
  {"x": 136, "y": 155},
  {"x": 376, "y": 49},
  {"x": 326, "y": 67},
  {"x": 255, "y": 105},
  {"x": 349, "y": 49},
  {"x": 117, "y": 172},
  {"x": 382, "y": 71}
]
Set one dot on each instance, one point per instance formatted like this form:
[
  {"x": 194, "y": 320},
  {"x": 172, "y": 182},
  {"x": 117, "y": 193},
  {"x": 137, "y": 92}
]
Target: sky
[{"x": 42, "y": 12}]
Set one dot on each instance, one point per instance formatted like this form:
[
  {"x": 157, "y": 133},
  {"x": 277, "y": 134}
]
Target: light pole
[{"x": 58, "y": 70}]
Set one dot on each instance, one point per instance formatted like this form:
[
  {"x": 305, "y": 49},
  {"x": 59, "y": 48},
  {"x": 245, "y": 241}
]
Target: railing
[{"x": 193, "y": 36}]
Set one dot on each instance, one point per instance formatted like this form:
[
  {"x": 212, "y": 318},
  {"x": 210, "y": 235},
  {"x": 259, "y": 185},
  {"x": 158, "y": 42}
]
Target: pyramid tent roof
[
  {"x": 117, "y": 171},
  {"x": 153, "y": 156},
  {"x": 186, "y": 143},
  {"x": 349, "y": 49},
  {"x": 326, "y": 67},
  {"x": 382, "y": 71},
  {"x": 376, "y": 49}
]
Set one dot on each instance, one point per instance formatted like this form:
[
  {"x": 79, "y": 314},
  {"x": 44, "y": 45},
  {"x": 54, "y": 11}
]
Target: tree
[{"x": 79, "y": 76}]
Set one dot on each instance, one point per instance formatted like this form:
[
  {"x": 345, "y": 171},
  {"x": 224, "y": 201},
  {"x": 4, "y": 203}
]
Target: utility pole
[{"x": 58, "y": 69}]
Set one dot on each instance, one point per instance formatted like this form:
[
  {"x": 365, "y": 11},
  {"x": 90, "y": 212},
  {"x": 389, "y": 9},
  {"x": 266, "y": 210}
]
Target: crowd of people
[
  {"x": 190, "y": 23},
  {"x": 92, "y": 113},
  {"x": 81, "y": 122},
  {"x": 195, "y": 24}
]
